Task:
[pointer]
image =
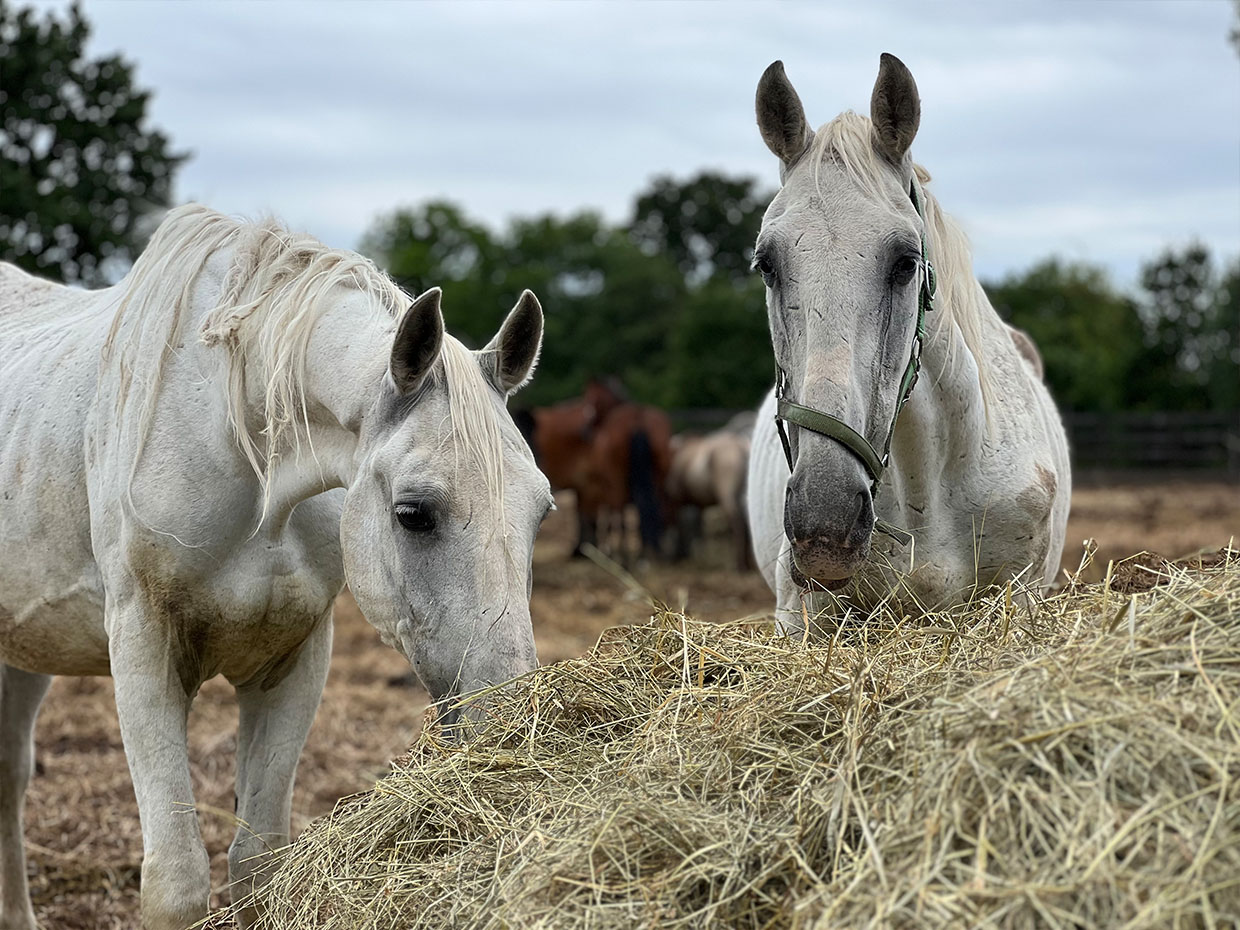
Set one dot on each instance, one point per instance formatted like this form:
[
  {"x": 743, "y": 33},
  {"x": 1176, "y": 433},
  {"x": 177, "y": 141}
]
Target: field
[{"x": 82, "y": 828}]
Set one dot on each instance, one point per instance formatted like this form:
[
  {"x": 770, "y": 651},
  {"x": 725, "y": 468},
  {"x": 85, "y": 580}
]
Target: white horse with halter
[
  {"x": 862, "y": 489},
  {"x": 165, "y": 449}
]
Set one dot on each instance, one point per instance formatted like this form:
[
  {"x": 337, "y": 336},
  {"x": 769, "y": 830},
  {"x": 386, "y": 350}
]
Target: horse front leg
[
  {"x": 275, "y": 719},
  {"x": 153, "y": 707},
  {"x": 20, "y": 695}
]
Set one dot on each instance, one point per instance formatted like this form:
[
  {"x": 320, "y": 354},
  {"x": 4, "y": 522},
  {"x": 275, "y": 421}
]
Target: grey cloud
[{"x": 1099, "y": 130}]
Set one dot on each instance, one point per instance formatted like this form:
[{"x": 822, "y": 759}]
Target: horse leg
[
  {"x": 744, "y": 545},
  {"x": 587, "y": 522},
  {"x": 738, "y": 523},
  {"x": 274, "y": 724},
  {"x": 20, "y": 695},
  {"x": 688, "y": 529},
  {"x": 153, "y": 707}
]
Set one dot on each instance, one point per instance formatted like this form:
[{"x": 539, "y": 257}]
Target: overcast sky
[{"x": 1095, "y": 129}]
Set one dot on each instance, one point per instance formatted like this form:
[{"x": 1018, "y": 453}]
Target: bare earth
[{"x": 82, "y": 831}]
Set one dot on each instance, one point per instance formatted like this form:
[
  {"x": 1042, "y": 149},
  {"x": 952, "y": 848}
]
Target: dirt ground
[{"x": 83, "y": 838}]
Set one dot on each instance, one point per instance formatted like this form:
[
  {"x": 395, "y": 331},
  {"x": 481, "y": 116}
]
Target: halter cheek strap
[{"x": 816, "y": 421}]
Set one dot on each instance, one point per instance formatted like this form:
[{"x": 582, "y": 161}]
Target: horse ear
[
  {"x": 895, "y": 109},
  {"x": 419, "y": 337},
  {"x": 781, "y": 118},
  {"x": 509, "y": 359}
]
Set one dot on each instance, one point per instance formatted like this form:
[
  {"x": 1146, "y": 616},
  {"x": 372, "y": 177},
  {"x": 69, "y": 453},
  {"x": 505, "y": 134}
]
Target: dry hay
[{"x": 1076, "y": 764}]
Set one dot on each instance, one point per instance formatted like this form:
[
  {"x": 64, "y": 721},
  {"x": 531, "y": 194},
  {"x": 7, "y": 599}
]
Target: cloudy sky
[{"x": 1101, "y": 130}]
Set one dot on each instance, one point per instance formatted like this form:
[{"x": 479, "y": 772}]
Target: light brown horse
[
  {"x": 710, "y": 471},
  {"x": 611, "y": 452}
]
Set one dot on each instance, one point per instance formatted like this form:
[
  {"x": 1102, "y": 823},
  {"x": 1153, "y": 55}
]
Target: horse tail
[{"x": 644, "y": 490}]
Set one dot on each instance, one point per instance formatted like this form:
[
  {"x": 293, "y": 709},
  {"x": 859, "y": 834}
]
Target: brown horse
[
  {"x": 710, "y": 471},
  {"x": 611, "y": 452}
]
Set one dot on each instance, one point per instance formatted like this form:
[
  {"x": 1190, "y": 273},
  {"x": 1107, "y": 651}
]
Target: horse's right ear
[
  {"x": 419, "y": 337},
  {"x": 781, "y": 118}
]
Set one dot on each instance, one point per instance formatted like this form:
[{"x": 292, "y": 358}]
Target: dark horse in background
[{"x": 611, "y": 452}]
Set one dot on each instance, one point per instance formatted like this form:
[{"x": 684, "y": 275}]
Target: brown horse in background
[{"x": 611, "y": 452}]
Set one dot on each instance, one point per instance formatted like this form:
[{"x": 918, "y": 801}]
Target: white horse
[
  {"x": 969, "y": 484},
  {"x": 165, "y": 446}
]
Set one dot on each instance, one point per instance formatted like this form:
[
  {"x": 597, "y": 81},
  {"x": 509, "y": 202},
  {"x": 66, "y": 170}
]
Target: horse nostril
[{"x": 858, "y": 510}]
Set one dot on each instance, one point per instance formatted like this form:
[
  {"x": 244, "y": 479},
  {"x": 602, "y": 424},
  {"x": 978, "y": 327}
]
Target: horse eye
[
  {"x": 766, "y": 268},
  {"x": 903, "y": 270},
  {"x": 416, "y": 516}
]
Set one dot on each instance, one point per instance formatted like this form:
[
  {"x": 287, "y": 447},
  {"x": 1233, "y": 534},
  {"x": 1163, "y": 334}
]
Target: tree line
[
  {"x": 663, "y": 300},
  {"x": 666, "y": 302}
]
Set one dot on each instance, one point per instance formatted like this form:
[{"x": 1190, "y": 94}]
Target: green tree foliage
[
  {"x": 435, "y": 244},
  {"x": 607, "y": 304},
  {"x": 674, "y": 313},
  {"x": 1191, "y": 314},
  {"x": 721, "y": 346},
  {"x": 1173, "y": 346},
  {"x": 706, "y": 225},
  {"x": 79, "y": 168},
  {"x": 667, "y": 303},
  {"x": 1088, "y": 333}
]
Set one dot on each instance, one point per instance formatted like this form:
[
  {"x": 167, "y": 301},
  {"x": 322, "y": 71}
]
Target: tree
[
  {"x": 1192, "y": 347},
  {"x": 719, "y": 347},
  {"x": 437, "y": 245},
  {"x": 607, "y": 304},
  {"x": 1089, "y": 334},
  {"x": 706, "y": 225},
  {"x": 79, "y": 168},
  {"x": 668, "y": 304}
]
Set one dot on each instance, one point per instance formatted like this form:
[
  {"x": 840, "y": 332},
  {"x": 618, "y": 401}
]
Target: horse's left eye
[
  {"x": 416, "y": 516},
  {"x": 903, "y": 270},
  {"x": 762, "y": 262}
]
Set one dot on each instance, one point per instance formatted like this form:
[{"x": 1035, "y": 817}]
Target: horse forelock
[
  {"x": 475, "y": 420},
  {"x": 960, "y": 300}
]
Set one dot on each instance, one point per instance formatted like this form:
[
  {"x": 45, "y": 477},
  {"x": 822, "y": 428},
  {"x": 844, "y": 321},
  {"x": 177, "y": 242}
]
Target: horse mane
[
  {"x": 960, "y": 299},
  {"x": 278, "y": 285}
]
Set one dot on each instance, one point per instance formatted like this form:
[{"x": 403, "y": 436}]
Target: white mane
[
  {"x": 277, "y": 287},
  {"x": 960, "y": 299}
]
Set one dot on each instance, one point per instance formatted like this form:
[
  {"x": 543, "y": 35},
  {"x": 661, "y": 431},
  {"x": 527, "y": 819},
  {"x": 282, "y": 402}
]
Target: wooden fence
[
  {"x": 1109, "y": 441},
  {"x": 1155, "y": 441}
]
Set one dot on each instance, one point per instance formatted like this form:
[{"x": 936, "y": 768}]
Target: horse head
[
  {"x": 842, "y": 253},
  {"x": 439, "y": 522}
]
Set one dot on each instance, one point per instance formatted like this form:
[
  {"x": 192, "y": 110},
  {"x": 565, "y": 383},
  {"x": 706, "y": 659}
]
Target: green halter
[{"x": 826, "y": 425}]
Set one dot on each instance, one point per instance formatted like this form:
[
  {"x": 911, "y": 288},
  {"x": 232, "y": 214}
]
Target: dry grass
[{"x": 1076, "y": 764}]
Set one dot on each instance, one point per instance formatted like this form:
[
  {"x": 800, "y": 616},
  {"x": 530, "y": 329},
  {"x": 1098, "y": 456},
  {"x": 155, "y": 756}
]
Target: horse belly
[
  {"x": 51, "y": 594},
  {"x": 56, "y": 635}
]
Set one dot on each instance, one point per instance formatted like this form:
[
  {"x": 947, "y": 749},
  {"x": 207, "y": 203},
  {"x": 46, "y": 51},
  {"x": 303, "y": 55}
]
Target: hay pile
[{"x": 1074, "y": 765}]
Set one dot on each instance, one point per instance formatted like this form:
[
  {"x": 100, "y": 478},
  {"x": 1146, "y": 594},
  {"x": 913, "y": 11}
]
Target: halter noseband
[{"x": 825, "y": 424}]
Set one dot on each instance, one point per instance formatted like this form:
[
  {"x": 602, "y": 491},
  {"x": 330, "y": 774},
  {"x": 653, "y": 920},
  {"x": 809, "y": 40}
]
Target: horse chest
[{"x": 246, "y": 620}]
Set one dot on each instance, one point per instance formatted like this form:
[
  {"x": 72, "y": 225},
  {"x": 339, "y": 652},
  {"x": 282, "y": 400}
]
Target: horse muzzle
[{"x": 829, "y": 528}]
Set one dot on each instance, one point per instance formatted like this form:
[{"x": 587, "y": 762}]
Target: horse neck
[
  {"x": 346, "y": 360},
  {"x": 945, "y": 417}
]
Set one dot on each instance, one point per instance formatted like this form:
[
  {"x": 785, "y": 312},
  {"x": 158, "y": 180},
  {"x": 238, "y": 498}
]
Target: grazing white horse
[
  {"x": 165, "y": 446},
  {"x": 867, "y": 280}
]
